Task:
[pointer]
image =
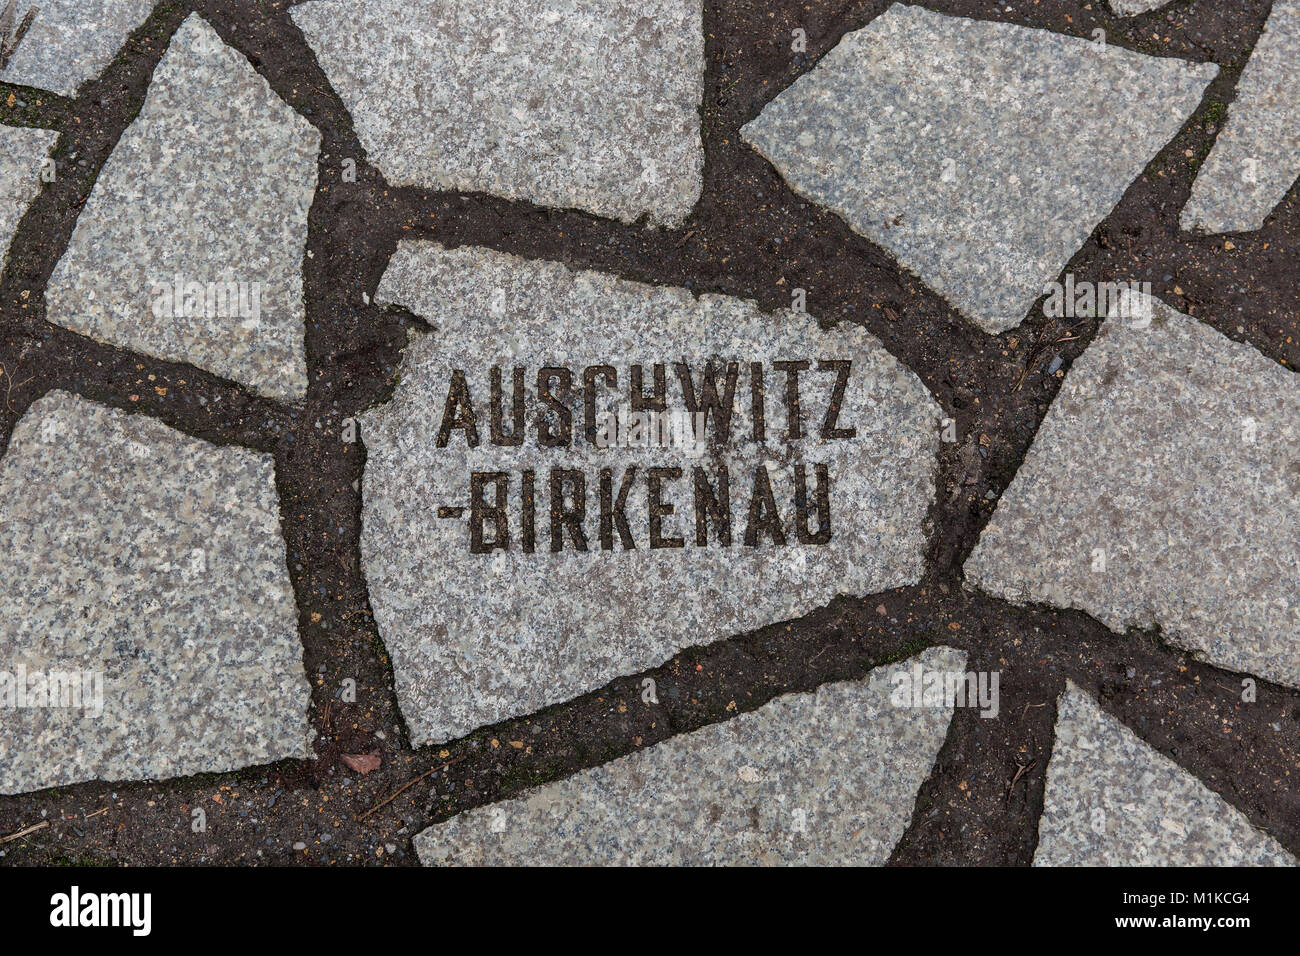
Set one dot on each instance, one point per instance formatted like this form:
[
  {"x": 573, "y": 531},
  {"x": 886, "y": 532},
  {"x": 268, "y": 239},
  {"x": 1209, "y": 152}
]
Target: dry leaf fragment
[{"x": 362, "y": 763}]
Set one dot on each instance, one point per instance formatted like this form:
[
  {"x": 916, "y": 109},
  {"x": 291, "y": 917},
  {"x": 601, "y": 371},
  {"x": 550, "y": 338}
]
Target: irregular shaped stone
[
  {"x": 151, "y": 563},
  {"x": 477, "y": 637},
  {"x": 588, "y": 104},
  {"x": 70, "y": 41},
  {"x": 821, "y": 779},
  {"x": 1113, "y": 800},
  {"x": 1131, "y": 8},
  {"x": 190, "y": 247},
  {"x": 1160, "y": 490},
  {"x": 941, "y": 139},
  {"x": 1256, "y": 157},
  {"x": 22, "y": 152}
]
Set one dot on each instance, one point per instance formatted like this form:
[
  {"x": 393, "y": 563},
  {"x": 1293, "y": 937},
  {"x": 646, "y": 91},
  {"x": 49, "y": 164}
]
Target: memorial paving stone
[
  {"x": 190, "y": 247},
  {"x": 69, "y": 41},
  {"x": 1256, "y": 157},
  {"x": 982, "y": 155},
  {"x": 822, "y": 779},
  {"x": 616, "y": 555},
  {"x": 1154, "y": 492},
  {"x": 578, "y": 476},
  {"x": 147, "y": 625},
  {"x": 1113, "y": 800},
  {"x": 580, "y": 103},
  {"x": 22, "y": 155}
]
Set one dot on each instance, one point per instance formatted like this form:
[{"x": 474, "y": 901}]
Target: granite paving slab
[
  {"x": 144, "y": 579},
  {"x": 582, "y": 103},
  {"x": 1131, "y": 8},
  {"x": 940, "y": 138},
  {"x": 190, "y": 247},
  {"x": 22, "y": 153},
  {"x": 821, "y": 779},
  {"x": 597, "y": 541},
  {"x": 1256, "y": 157},
  {"x": 70, "y": 41},
  {"x": 1154, "y": 493},
  {"x": 1113, "y": 800}
]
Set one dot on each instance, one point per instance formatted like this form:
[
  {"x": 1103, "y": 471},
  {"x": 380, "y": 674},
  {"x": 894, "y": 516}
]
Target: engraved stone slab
[
  {"x": 531, "y": 531},
  {"x": 1163, "y": 487},
  {"x": 1113, "y": 800},
  {"x": 190, "y": 247},
  {"x": 70, "y": 41},
  {"x": 147, "y": 568},
  {"x": 981, "y": 154},
  {"x": 821, "y": 779},
  {"x": 579, "y": 103}
]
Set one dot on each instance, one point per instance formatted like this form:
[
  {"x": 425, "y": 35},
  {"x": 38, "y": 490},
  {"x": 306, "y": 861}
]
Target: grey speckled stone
[
  {"x": 211, "y": 184},
  {"x": 71, "y": 41},
  {"x": 981, "y": 154},
  {"x": 1256, "y": 157},
  {"x": 586, "y": 103},
  {"x": 1112, "y": 800},
  {"x": 1131, "y": 8},
  {"x": 1176, "y": 452},
  {"x": 476, "y": 638},
  {"x": 823, "y": 779},
  {"x": 155, "y": 559},
  {"x": 22, "y": 151}
]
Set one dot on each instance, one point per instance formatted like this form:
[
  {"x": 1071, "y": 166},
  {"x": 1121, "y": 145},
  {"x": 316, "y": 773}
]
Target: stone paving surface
[
  {"x": 940, "y": 137},
  {"x": 479, "y": 637},
  {"x": 1112, "y": 800},
  {"x": 154, "y": 561},
  {"x": 1131, "y": 8},
  {"x": 70, "y": 41},
  {"x": 1256, "y": 157},
  {"x": 821, "y": 779},
  {"x": 591, "y": 104},
  {"x": 463, "y": 616},
  {"x": 1154, "y": 492},
  {"x": 213, "y": 274},
  {"x": 22, "y": 151}
]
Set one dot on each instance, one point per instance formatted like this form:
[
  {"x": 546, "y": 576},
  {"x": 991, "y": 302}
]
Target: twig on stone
[{"x": 9, "y": 44}]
